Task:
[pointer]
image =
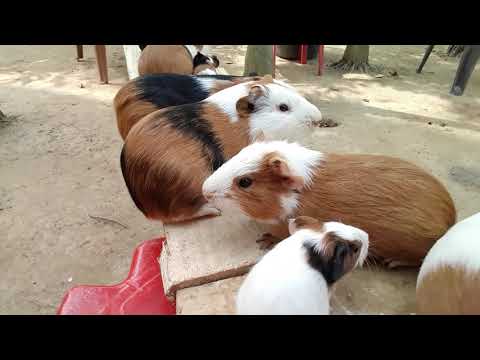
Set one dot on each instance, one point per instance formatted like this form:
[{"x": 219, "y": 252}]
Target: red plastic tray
[{"x": 141, "y": 293}]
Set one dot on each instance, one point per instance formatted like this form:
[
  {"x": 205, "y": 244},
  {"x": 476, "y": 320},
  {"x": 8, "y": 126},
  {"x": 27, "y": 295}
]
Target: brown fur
[
  {"x": 165, "y": 169},
  {"x": 402, "y": 208},
  {"x": 449, "y": 290},
  {"x": 129, "y": 108},
  {"x": 162, "y": 59}
]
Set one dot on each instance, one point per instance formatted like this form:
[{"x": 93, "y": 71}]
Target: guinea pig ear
[
  {"x": 280, "y": 169},
  {"x": 216, "y": 62},
  {"x": 247, "y": 104},
  {"x": 306, "y": 222}
]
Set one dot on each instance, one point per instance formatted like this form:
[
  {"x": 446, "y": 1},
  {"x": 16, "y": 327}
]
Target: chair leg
[
  {"x": 469, "y": 59},
  {"x": 320, "y": 60},
  {"x": 425, "y": 58},
  {"x": 79, "y": 52},
  {"x": 101, "y": 53},
  {"x": 274, "y": 60},
  {"x": 303, "y": 54}
]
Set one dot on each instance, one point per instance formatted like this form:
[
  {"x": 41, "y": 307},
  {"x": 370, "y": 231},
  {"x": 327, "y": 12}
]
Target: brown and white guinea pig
[
  {"x": 177, "y": 59},
  {"x": 297, "y": 275},
  {"x": 146, "y": 94},
  {"x": 402, "y": 208},
  {"x": 169, "y": 153},
  {"x": 449, "y": 279}
]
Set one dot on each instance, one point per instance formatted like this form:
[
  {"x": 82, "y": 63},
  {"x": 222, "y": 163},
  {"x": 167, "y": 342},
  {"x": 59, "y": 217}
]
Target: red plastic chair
[
  {"x": 141, "y": 293},
  {"x": 302, "y": 57}
]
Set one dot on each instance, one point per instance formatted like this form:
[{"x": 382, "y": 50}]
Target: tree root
[{"x": 350, "y": 66}]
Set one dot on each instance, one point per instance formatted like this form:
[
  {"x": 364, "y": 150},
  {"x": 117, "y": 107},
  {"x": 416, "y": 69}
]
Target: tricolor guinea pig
[
  {"x": 402, "y": 208},
  {"x": 449, "y": 279},
  {"x": 169, "y": 153},
  {"x": 297, "y": 275},
  {"x": 146, "y": 94},
  {"x": 177, "y": 59}
]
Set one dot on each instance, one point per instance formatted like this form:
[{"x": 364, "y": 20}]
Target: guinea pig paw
[{"x": 267, "y": 241}]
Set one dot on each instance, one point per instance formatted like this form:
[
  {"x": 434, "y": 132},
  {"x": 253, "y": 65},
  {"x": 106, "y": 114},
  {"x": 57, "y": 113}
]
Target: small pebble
[
  {"x": 442, "y": 124},
  {"x": 366, "y": 100},
  {"x": 70, "y": 279},
  {"x": 429, "y": 123},
  {"x": 82, "y": 85}
]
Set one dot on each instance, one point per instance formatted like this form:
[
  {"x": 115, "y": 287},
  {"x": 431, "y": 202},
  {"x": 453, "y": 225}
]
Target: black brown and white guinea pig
[
  {"x": 176, "y": 59},
  {"x": 402, "y": 208},
  {"x": 449, "y": 279},
  {"x": 297, "y": 275},
  {"x": 145, "y": 94},
  {"x": 169, "y": 153}
]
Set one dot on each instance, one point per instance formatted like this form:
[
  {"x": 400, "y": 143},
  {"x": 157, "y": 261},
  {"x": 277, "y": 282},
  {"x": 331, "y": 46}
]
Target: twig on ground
[{"x": 107, "y": 220}]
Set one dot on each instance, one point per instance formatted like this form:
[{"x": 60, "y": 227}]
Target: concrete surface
[
  {"x": 60, "y": 147},
  {"x": 367, "y": 291},
  {"x": 208, "y": 250}
]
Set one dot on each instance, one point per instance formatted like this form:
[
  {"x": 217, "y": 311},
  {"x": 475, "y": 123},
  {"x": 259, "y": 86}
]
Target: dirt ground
[{"x": 59, "y": 153}]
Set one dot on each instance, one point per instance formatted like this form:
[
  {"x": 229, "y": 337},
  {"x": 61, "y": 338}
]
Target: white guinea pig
[
  {"x": 169, "y": 153},
  {"x": 449, "y": 279},
  {"x": 296, "y": 276}
]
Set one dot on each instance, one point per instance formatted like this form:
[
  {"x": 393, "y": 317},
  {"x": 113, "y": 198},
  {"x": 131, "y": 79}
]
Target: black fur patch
[
  {"x": 123, "y": 166},
  {"x": 142, "y": 47},
  {"x": 163, "y": 90},
  {"x": 331, "y": 269},
  {"x": 200, "y": 59},
  {"x": 187, "y": 119}
]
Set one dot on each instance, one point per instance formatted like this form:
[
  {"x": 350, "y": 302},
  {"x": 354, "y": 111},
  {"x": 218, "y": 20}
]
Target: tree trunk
[
  {"x": 455, "y": 50},
  {"x": 355, "y": 58},
  {"x": 259, "y": 60}
]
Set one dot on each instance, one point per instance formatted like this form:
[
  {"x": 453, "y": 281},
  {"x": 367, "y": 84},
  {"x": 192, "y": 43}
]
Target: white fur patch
[
  {"x": 282, "y": 283},
  {"x": 289, "y": 204},
  {"x": 207, "y": 72},
  {"x": 460, "y": 246},
  {"x": 206, "y": 83}
]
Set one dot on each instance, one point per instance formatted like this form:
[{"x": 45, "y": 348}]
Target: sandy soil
[{"x": 60, "y": 148}]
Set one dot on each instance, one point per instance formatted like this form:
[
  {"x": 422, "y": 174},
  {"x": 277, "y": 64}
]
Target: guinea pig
[
  {"x": 169, "y": 153},
  {"x": 449, "y": 280},
  {"x": 402, "y": 208},
  {"x": 297, "y": 275},
  {"x": 177, "y": 59},
  {"x": 146, "y": 94}
]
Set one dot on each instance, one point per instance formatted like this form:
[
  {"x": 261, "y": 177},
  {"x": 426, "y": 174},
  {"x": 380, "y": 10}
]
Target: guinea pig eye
[
  {"x": 283, "y": 107},
  {"x": 355, "y": 248},
  {"x": 245, "y": 182}
]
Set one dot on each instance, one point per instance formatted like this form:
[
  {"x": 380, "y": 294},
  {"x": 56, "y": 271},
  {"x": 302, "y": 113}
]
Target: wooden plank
[{"x": 208, "y": 250}]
